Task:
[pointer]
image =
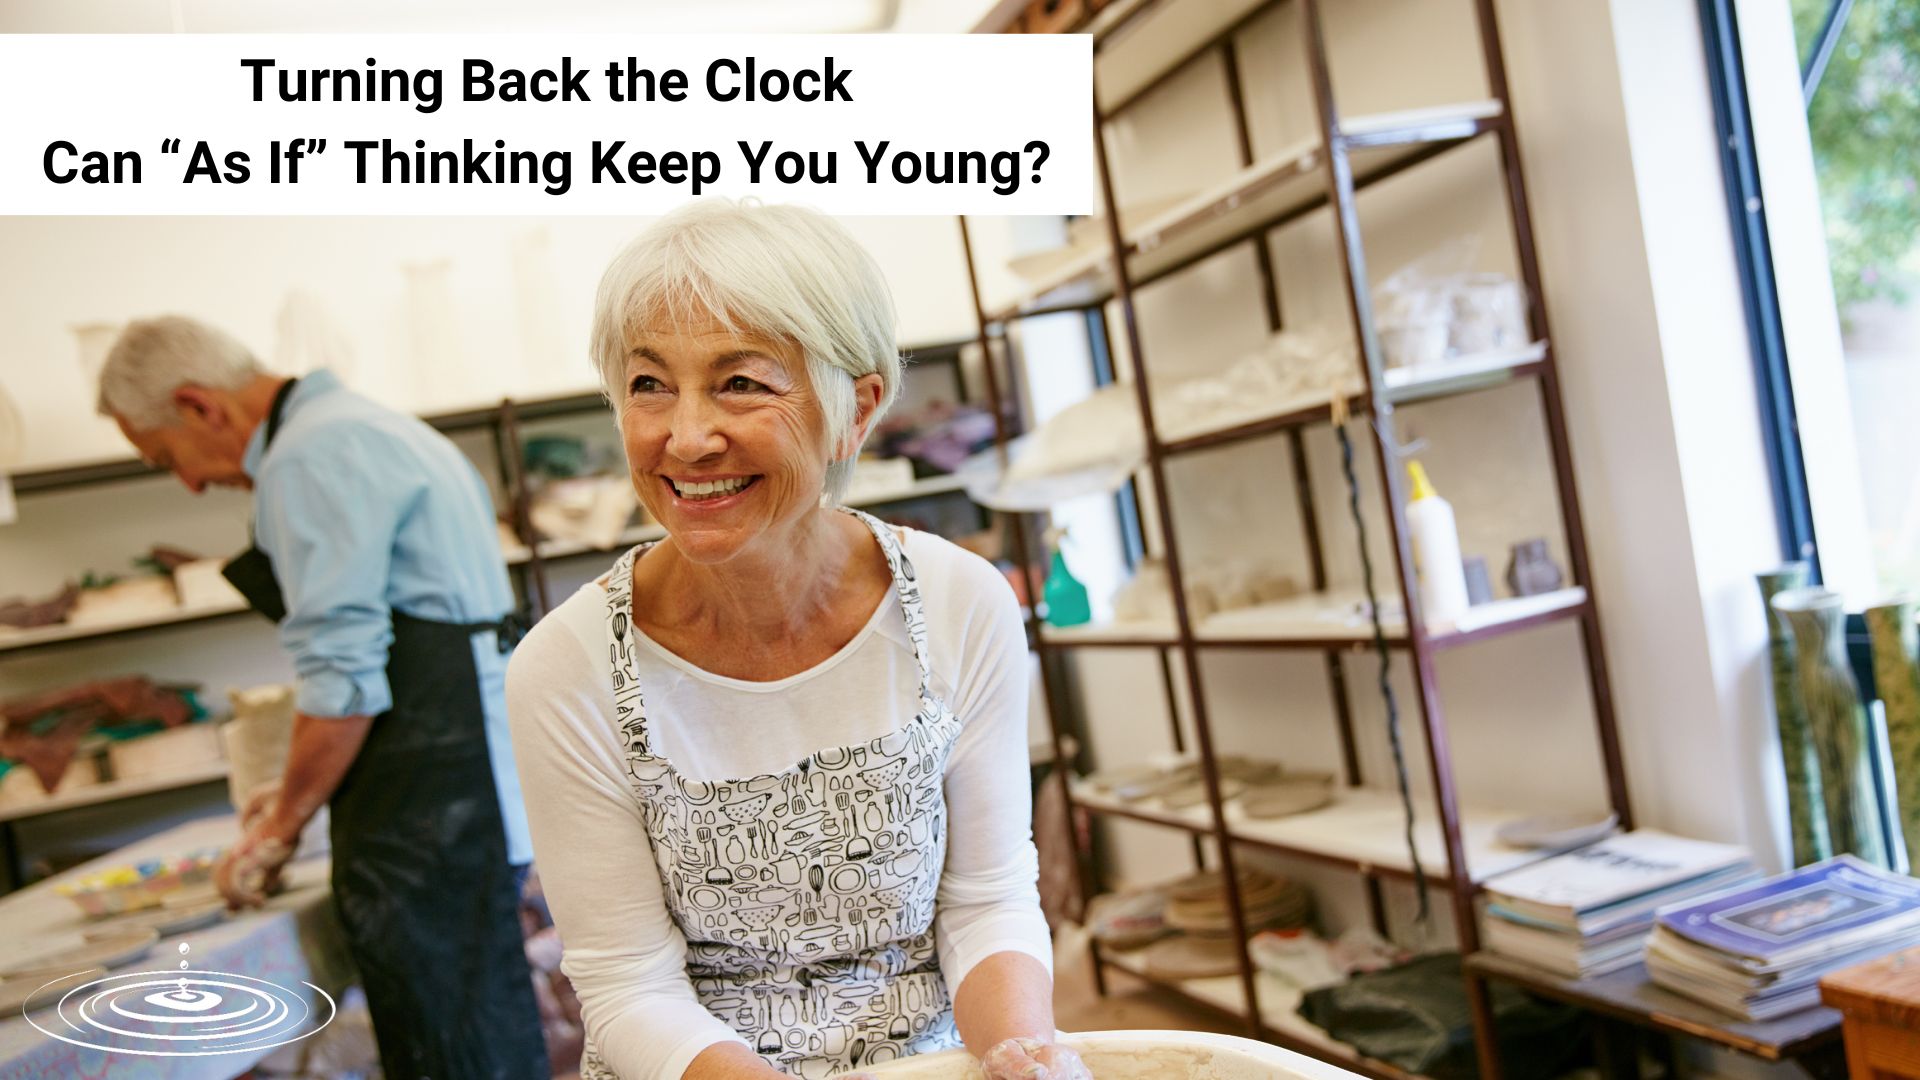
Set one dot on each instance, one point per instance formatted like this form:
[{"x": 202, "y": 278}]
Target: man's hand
[
  {"x": 1031, "y": 1059},
  {"x": 250, "y": 869}
]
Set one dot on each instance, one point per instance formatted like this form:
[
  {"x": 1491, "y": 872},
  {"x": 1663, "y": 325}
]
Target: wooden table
[
  {"x": 1880, "y": 1001},
  {"x": 1627, "y": 1001},
  {"x": 294, "y": 939}
]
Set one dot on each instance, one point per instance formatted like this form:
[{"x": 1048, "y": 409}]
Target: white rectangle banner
[{"x": 544, "y": 123}]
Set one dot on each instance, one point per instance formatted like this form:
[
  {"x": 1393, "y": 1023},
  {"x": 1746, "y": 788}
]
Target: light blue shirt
[{"x": 366, "y": 511}]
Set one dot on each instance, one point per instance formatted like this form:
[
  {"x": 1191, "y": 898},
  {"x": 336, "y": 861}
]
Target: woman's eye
[
  {"x": 644, "y": 384},
  {"x": 740, "y": 384}
]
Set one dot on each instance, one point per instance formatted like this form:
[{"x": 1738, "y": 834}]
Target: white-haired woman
[{"x": 775, "y": 764}]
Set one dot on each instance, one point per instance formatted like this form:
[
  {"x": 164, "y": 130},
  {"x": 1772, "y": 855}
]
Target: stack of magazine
[
  {"x": 1588, "y": 911},
  {"x": 1758, "y": 953}
]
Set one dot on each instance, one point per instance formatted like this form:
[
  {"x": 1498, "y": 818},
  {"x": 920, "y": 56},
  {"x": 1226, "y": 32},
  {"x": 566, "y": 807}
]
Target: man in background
[{"x": 374, "y": 551}]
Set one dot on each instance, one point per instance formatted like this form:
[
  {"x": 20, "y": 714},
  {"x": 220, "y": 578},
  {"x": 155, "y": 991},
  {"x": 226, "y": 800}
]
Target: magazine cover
[{"x": 1812, "y": 910}]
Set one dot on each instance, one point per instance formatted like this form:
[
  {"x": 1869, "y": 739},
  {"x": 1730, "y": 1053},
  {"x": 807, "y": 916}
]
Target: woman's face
[{"x": 725, "y": 437}]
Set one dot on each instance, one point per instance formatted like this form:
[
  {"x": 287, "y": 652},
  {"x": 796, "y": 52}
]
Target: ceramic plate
[
  {"x": 15, "y": 991},
  {"x": 1558, "y": 831},
  {"x": 1287, "y": 797}
]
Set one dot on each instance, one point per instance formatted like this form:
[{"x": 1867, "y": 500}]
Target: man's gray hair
[
  {"x": 776, "y": 272},
  {"x": 154, "y": 357}
]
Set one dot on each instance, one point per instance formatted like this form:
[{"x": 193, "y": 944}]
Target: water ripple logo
[{"x": 182, "y": 1014}]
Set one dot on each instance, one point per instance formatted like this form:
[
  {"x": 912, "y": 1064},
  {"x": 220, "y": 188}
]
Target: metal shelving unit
[{"x": 1362, "y": 830}]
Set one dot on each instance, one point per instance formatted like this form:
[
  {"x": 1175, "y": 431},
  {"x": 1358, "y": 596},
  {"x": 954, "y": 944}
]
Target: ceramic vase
[
  {"x": 1807, "y": 816},
  {"x": 1836, "y": 720},
  {"x": 1896, "y": 674},
  {"x": 1531, "y": 571}
]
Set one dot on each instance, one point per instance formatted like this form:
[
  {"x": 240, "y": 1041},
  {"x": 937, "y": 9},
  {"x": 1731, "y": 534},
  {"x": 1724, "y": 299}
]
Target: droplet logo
[{"x": 180, "y": 1013}]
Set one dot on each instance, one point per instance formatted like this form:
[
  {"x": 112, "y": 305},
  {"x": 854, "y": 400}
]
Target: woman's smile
[{"x": 709, "y": 493}]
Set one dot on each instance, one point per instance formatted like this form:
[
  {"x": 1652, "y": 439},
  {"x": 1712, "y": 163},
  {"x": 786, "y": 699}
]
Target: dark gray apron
[{"x": 420, "y": 874}]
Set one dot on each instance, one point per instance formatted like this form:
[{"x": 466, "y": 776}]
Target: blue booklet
[{"x": 1828, "y": 907}]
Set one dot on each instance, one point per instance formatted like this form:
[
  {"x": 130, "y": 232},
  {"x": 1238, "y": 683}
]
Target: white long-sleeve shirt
[{"x": 625, "y": 956}]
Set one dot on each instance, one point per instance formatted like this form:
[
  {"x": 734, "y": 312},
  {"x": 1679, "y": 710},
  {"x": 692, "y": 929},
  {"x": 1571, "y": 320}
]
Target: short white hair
[
  {"x": 154, "y": 357},
  {"x": 773, "y": 271}
]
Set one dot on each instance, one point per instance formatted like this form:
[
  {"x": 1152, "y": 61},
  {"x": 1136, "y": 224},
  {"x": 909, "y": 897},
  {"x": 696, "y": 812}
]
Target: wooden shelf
[
  {"x": 1362, "y": 830},
  {"x": 1273, "y": 190},
  {"x": 112, "y": 790},
  {"x": 61, "y": 477},
  {"x": 13, "y": 641}
]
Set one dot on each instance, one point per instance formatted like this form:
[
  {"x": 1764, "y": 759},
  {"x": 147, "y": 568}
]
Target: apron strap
[{"x": 906, "y": 585}]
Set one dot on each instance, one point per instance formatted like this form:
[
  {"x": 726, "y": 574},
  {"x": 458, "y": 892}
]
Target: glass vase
[
  {"x": 1896, "y": 674},
  {"x": 1807, "y": 816},
  {"x": 1836, "y": 720}
]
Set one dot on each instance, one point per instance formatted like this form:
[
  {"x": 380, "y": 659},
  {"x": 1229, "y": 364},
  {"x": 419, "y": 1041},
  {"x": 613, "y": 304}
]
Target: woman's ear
[{"x": 868, "y": 391}]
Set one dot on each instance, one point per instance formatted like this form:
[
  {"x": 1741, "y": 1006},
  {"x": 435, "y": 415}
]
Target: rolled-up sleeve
[{"x": 328, "y": 516}]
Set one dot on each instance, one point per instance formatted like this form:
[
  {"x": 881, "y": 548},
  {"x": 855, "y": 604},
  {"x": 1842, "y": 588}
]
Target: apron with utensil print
[{"x": 806, "y": 896}]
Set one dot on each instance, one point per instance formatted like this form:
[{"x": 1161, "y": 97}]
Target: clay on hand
[
  {"x": 1031, "y": 1059},
  {"x": 250, "y": 869}
]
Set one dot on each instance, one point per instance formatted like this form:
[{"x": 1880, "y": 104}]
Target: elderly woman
[{"x": 775, "y": 764}]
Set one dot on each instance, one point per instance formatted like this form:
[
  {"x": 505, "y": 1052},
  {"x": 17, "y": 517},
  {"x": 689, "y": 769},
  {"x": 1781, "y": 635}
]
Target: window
[
  {"x": 1842, "y": 397},
  {"x": 1862, "y": 80}
]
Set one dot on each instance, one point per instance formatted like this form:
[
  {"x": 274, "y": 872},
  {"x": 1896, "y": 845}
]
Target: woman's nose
[{"x": 694, "y": 431}]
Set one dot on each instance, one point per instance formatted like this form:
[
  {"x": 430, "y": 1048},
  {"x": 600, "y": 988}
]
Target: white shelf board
[
  {"x": 1332, "y": 614},
  {"x": 40, "y": 635},
  {"x": 1309, "y": 616},
  {"x": 1253, "y": 412},
  {"x": 1464, "y": 114},
  {"x": 1460, "y": 372},
  {"x": 1363, "y": 826},
  {"x": 112, "y": 790},
  {"x": 1114, "y": 632},
  {"x": 1513, "y": 609}
]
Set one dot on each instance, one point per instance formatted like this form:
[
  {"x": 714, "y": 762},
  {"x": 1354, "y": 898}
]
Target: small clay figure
[{"x": 1531, "y": 571}]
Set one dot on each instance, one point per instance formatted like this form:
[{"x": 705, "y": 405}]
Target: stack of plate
[
  {"x": 1202, "y": 944},
  {"x": 1198, "y": 905},
  {"x": 1264, "y": 789}
]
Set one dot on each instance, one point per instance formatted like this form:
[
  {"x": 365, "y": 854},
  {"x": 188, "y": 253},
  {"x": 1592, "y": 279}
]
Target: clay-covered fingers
[
  {"x": 249, "y": 870},
  {"x": 1063, "y": 1063},
  {"x": 1032, "y": 1059}
]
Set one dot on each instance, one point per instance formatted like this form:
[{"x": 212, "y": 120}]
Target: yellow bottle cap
[{"x": 1422, "y": 487}]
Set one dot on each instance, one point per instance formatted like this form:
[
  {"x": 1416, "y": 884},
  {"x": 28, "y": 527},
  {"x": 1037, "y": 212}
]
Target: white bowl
[{"x": 1144, "y": 1055}]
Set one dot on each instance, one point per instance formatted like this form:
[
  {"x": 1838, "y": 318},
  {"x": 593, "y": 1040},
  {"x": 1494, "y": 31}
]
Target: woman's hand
[{"x": 1031, "y": 1059}]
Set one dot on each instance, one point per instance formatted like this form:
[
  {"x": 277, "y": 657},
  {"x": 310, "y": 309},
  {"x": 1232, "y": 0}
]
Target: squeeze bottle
[{"x": 1436, "y": 552}]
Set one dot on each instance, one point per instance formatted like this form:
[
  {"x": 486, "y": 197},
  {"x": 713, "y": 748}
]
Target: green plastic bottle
[{"x": 1066, "y": 598}]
